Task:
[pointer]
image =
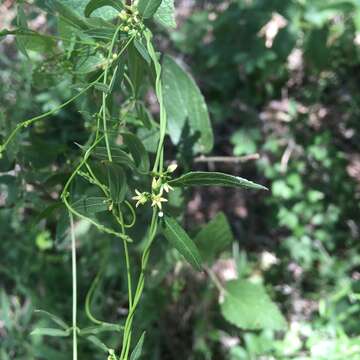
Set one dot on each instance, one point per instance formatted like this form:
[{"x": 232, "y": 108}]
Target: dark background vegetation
[{"x": 281, "y": 79}]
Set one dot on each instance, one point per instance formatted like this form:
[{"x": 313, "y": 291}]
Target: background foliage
[{"x": 280, "y": 79}]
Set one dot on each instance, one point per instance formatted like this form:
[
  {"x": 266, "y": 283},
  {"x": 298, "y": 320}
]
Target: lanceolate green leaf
[
  {"x": 118, "y": 156},
  {"x": 184, "y": 102},
  {"x": 96, "y": 4},
  {"x": 147, "y": 8},
  {"x": 117, "y": 183},
  {"x": 50, "y": 332},
  {"x": 136, "y": 353},
  {"x": 165, "y": 14},
  {"x": 177, "y": 236},
  {"x": 90, "y": 205},
  {"x": 248, "y": 306},
  {"x": 137, "y": 151},
  {"x": 54, "y": 318},
  {"x": 204, "y": 178}
]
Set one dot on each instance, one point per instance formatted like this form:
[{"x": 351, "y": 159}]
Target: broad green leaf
[
  {"x": 96, "y": 4},
  {"x": 50, "y": 332},
  {"x": 90, "y": 205},
  {"x": 136, "y": 353},
  {"x": 205, "y": 178},
  {"x": 117, "y": 183},
  {"x": 54, "y": 318},
  {"x": 69, "y": 15},
  {"x": 248, "y": 306},
  {"x": 214, "y": 237},
  {"x": 184, "y": 102},
  {"x": 118, "y": 156},
  {"x": 150, "y": 138},
  {"x": 137, "y": 151},
  {"x": 147, "y": 8},
  {"x": 177, "y": 236},
  {"x": 165, "y": 14}
]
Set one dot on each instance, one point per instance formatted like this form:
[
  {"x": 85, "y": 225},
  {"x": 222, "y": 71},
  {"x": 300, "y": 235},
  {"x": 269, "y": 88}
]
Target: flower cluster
[
  {"x": 131, "y": 21},
  {"x": 158, "y": 187}
]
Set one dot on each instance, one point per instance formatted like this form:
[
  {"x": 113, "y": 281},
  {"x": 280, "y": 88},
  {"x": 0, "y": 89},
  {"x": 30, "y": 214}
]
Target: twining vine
[{"x": 121, "y": 172}]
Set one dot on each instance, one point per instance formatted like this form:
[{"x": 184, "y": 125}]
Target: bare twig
[{"x": 227, "y": 159}]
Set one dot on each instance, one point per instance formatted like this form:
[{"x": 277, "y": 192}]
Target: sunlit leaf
[
  {"x": 147, "y": 8},
  {"x": 165, "y": 14},
  {"x": 185, "y": 103},
  {"x": 204, "y": 178},
  {"x": 248, "y": 306}
]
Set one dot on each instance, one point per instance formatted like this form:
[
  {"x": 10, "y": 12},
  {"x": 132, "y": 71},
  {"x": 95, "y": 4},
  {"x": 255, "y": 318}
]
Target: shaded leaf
[
  {"x": 136, "y": 353},
  {"x": 137, "y": 151},
  {"x": 142, "y": 50},
  {"x": 98, "y": 343},
  {"x": 177, "y": 236},
  {"x": 54, "y": 318},
  {"x": 90, "y": 205},
  {"x": 248, "y": 306},
  {"x": 214, "y": 237},
  {"x": 205, "y": 178},
  {"x": 118, "y": 156},
  {"x": 117, "y": 183},
  {"x": 98, "y": 329},
  {"x": 50, "y": 332}
]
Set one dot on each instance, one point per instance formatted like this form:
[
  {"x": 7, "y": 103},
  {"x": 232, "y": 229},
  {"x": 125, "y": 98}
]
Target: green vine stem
[{"x": 74, "y": 286}]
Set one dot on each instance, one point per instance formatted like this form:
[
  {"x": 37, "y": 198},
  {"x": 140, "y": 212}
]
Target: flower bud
[{"x": 171, "y": 168}]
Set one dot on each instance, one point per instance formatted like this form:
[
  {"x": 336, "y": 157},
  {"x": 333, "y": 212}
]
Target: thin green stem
[
  {"x": 104, "y": 95},
  {"x": 140, "y": 285},
  {"x": 29, "y": 122},
  {"x": 74, "y": 287}
]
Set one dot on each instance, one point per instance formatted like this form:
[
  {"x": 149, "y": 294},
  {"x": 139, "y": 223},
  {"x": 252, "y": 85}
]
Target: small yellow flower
[
  {"x": 141, "y": 198},
  {"x": 157, "y": 200}
]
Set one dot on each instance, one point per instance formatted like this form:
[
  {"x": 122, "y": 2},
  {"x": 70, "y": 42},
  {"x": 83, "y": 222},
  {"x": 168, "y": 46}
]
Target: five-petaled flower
[
  {"x": 141, "y": 198},
  {"x": 157, "y": 200}
]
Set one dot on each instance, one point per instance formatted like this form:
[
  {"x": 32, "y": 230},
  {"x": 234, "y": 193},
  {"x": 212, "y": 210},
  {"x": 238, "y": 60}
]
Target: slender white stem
[{"x": 74, "y": 286}]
